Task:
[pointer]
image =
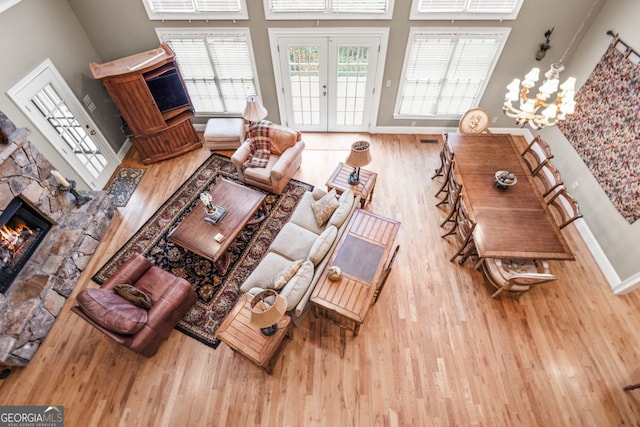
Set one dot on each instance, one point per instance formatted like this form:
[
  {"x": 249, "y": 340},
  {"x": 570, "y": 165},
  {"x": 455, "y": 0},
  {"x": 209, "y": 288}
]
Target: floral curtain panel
[{"x": 605, "y": 128}]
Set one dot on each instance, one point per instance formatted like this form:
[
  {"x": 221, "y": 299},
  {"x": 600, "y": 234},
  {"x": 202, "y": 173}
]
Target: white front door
[
  {"x": 49, "y": 103},
  {"x": 327, "y": 82}
]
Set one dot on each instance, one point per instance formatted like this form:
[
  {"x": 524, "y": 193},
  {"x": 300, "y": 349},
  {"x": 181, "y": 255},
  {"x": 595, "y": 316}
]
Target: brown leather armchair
[{"x": 134, "y": 327}]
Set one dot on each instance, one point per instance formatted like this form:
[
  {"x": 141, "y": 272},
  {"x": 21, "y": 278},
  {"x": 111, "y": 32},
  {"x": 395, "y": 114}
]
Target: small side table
[
  {"x": 243, "y": 337},
  {"x": 339, "y": 181}
]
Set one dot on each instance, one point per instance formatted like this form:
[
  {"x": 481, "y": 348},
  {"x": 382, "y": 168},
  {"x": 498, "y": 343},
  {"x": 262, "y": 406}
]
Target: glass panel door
[
  {"x": 76, "y": 139},
  {"x": 353, "y": 83},
  {"x": 328, "y": 82},
  {"x": 305, "y": 82},
  {"x": 50, "y": 104}
]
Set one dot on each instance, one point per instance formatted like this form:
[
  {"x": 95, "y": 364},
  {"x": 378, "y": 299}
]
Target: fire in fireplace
[{"x": 22, "y": 228}]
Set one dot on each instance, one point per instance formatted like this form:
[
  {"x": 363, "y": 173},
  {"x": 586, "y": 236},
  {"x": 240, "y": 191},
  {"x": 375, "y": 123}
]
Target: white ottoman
[{"x": 223, "y": 133}]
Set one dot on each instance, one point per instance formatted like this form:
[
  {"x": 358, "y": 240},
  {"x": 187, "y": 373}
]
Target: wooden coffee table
[
  {"x": 365, "y": 254},
  {"x": 243, "y": 337},
  {"x": 365, "y": 188},
  {"x": 197, "y": 235}
]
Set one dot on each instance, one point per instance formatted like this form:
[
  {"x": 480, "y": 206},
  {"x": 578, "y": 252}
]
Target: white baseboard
[
  {"x": 618, "y": 286},
  {"x": 124, "y": 149},
  {"x": 627, "y": 285}
]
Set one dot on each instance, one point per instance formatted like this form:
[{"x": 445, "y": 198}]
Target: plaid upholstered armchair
[{"x": 269, "y": 157}]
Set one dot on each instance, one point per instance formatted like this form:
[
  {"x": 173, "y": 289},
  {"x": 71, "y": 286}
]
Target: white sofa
[{"x": 302, "y": 239}]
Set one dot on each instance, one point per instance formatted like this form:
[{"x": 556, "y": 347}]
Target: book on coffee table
[{"x": 217, "y": 216}]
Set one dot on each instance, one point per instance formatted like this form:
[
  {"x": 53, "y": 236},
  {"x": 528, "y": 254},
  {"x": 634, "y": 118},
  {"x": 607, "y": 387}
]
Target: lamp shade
[
  {"x": 267, "y": 307},
  {"x": 359, "y": 155},
  {"x": 254, "y": 110}
]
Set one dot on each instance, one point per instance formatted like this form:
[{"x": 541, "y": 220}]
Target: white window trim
[
  {"x": 445, "y": 31},
  {"x": 196, "y": 16},
  {"x": 417, "y": 15},
  {"x": 162, "y": 34},
  {"x": 286, "y": 16}
]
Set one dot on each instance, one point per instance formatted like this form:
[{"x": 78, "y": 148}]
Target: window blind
[
  {"x": 216, "y": 68},
  {"x": 445, "y": 74},
  {"x": 323, "y": 7},
  {"x": 469, "y": 9},
  {"x": 473, "y": 6},
  {"x": 196, "y": 9},
  {"x": 189, "y": 6}
]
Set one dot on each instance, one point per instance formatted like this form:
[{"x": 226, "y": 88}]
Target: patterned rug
[
  {"x": 124, "y": 184},
  {"x": 217, "y": 292}
]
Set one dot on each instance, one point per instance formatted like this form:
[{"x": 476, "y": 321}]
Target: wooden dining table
[{"x": 513, "y": 222}]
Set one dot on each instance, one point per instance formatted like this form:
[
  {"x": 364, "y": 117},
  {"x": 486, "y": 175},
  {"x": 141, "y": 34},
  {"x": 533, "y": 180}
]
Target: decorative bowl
[
  {"x": 505, "y": 179},
  {"x": 334, "y": 273}
]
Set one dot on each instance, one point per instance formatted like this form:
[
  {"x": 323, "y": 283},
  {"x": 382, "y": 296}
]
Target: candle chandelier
[{"x": 540, "y": 111}]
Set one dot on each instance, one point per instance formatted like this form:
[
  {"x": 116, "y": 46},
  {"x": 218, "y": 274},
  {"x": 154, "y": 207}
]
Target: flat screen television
[{"x": 168, "y": 92}]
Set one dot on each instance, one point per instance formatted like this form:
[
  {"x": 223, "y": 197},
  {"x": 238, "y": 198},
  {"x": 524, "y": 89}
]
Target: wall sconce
[{"x": 544, "y": 47}]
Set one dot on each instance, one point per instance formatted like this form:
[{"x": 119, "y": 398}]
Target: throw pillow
[
  {"x": 345, "y": 203},
  {"x": 295, "y": 288},
  {"x": 281, "y": 138},
  {"x": 133, "y": 295},
  {"x": 285, "y": 275},
  {"x": 259, "y": 145},
  {"x": 323, "y": 208},
  {"x": 322, "y": 244},
  {"x": 111, "y": 311}
]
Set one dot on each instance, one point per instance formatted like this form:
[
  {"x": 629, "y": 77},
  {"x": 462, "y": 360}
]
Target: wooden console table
[
  {"x": 243, "y": 337},
  {"x": 365, "y": 254}
]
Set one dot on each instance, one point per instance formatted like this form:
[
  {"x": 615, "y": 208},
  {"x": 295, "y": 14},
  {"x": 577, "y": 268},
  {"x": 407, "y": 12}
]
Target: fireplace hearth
[{"x": 22, "y": 228}]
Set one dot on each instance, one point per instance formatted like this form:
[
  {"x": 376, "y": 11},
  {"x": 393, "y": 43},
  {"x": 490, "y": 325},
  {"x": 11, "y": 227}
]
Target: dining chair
[
  {"x": 452, "y": 200},
  {"x": 537, "y": 153},
  {"x": 440, "y": 171},
  {"x": 565, "y": 207},
  {"x": 474, "y": 121},
  {"x": 516, "y": 275},
  {"x": 463, "y": 228},
  {"x": 549, "y": 178},
  {"x": 447, "y": 159}
]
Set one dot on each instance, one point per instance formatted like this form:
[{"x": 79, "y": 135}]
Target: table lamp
[
  {"x": 254, "y": 110},
  {"x": 359, "y": 156},
  {"x": 267, "y": 307}
]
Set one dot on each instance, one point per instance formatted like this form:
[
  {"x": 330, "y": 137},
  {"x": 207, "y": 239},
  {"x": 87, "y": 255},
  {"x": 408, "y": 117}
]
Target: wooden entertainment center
[{"x": 150, "y": 93}]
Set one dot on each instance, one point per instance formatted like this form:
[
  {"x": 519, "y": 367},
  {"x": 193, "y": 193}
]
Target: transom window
[
  {"x": 328, "y": 9},
  {"x": 465, "y": 9},
  {"x": 446, "y": 71},
  {"x": 216, "y": 66},
  {"x": 195, "y": 9}
]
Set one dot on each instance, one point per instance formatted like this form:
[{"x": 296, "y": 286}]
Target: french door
[
  {"x": 328, "y": 82},
  {"x": 49, "y": 103}
]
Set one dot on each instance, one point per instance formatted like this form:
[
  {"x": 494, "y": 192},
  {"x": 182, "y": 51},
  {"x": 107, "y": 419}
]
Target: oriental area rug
[
  {"x": 217, "y": 291},
  {"x": 124, "y": 184}
]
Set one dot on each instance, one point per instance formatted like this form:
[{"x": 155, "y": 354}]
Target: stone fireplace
[
  {"x": 22, "y": 229},
  {"x": 35, "y": 297}
]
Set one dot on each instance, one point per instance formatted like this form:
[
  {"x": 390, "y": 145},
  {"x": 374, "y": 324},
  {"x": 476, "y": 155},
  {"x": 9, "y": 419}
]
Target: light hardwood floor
[{"x": 435, "y": 350}]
